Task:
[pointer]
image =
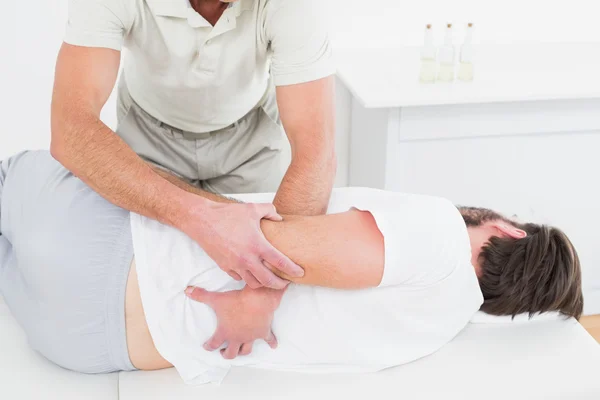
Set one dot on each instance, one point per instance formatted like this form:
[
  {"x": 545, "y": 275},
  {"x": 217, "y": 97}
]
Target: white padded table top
[
  {"x": 545, "y": 359},
  {"x": 541, "y": 359}
]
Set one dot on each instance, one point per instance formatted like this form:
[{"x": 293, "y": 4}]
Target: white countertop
[{"x": 389, "y": 78}]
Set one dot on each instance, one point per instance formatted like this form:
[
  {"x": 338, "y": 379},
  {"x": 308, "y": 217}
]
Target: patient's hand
[{"x": 243, "y": 316}]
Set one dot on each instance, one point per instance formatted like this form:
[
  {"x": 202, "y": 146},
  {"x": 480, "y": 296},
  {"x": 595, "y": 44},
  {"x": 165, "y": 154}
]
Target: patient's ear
[{"x": 508, "y": 230}]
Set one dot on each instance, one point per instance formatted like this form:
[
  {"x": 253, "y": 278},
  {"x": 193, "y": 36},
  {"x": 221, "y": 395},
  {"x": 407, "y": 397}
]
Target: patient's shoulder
[
  {"x": 377, "y": 199},
  {"x": 345, "y": 198}
]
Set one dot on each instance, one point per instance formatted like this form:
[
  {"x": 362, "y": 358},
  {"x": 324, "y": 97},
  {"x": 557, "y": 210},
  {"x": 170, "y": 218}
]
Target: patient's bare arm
[{"x": 342, "y": 251}]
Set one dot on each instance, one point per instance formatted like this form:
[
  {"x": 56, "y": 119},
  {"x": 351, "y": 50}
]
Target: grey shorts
[
  {"x": 249, "y": 156},
  {"x": 65, "y": 255}
]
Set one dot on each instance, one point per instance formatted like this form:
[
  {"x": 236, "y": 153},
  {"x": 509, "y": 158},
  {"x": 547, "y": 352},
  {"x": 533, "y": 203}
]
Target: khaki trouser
[{"x": 245, "y": 157}]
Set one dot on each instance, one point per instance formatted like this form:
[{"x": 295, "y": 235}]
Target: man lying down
[{"x": 389, "y": 278}]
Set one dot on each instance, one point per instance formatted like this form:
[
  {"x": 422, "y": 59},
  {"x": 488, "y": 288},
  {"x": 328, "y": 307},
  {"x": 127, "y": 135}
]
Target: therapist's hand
[
  {"x": 230, "y": 234},
  {"x": 243, "y": 316}
]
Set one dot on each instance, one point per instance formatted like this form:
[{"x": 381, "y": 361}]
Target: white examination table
[{"x": 491, "y": 359}]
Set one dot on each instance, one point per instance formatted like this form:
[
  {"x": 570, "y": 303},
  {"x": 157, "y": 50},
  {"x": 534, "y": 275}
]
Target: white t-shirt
[
  {"x": 200, "y": 78},
  {"x": 428, "y": 294}
]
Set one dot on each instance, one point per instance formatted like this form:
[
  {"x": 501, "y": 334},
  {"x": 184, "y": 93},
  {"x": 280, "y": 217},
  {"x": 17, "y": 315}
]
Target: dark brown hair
[{"x": 536, "y": 274}]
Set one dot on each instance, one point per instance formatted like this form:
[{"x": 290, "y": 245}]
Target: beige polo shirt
[{"x": 201, "y": 78}]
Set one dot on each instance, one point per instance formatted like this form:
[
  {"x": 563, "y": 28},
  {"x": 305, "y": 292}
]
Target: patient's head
[{"x": 523, "y": 268}]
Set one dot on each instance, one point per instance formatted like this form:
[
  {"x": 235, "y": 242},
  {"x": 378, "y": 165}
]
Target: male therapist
[{"x": 205, "y": 90}]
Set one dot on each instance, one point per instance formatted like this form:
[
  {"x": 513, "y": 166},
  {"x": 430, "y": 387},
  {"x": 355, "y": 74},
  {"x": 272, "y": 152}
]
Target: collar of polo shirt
[
  {"x": 229, "y": 5},
  {"x": 182, "y": 8}
]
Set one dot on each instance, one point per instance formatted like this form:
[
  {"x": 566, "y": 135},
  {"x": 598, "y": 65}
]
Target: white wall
[
  {"x": 30, "y": 35},
  {"x": 26, "y": 74},
  {"x": 360, "y": 23}
]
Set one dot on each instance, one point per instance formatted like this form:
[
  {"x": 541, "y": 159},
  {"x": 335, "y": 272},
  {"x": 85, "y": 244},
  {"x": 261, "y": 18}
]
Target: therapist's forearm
[
  {"x": 193, "y": 189},
  {"x": 306, "y": 187},
  {"x": 96, "y": 155},
  {"x": 283, "y": 208}
]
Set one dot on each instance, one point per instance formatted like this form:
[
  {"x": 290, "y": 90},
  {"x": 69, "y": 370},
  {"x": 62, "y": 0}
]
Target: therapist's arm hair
[
  {"x": 180, "y": 183},
  {"x": 308, "y": 114},
  {"x": 84, "y": 80},
  {"x": 344, "y": 251}
]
